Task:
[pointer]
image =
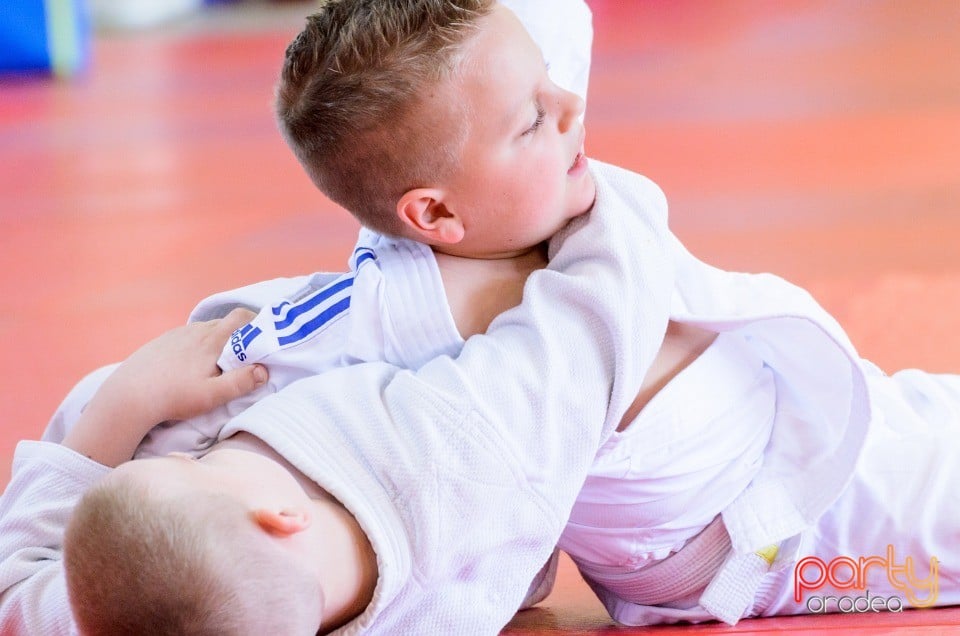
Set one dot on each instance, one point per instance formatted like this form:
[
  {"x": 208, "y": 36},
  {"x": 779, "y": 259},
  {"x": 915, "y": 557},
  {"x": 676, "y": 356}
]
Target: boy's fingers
[
  {"x": 237, "y": 382},
  {"x": 235, "y": 319}
]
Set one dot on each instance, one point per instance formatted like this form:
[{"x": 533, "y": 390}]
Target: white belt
[{"x": 729, "y": 581}]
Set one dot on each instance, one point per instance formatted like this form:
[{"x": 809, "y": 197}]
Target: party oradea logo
[{"x": 849, "y": 578}]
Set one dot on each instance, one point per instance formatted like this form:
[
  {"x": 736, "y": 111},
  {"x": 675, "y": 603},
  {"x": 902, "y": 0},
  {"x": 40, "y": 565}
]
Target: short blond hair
[
  {"x": 136, "y": 563},
  {"x": 356, "y": 99}
]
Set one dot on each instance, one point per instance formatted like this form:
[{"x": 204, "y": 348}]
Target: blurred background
[{"x": 140, "y": 171}]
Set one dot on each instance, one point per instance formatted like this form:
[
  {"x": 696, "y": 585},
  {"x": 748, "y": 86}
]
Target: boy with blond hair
[
  {"x": 459, "y": 505},
  {"x": 187, "y": 566},
  {"x": 172, "y": 546},
  {"x": 722, "y": 494},
  {"x": 775, "y": 442}
]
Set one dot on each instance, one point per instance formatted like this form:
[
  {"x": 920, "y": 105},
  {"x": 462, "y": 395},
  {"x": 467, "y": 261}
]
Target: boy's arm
[
  {"x": 476, "y": 461},
  {"x": 172, "y": 377}
]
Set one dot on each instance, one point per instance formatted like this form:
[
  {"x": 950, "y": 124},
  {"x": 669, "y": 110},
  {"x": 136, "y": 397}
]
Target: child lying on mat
[
  {"x": 758, "y": 436},
  {"x": 720, "y": 494},
  {"x": 460, "y": 505}
]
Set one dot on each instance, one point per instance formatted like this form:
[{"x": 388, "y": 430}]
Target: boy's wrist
[{"x": 109, "y": 430}]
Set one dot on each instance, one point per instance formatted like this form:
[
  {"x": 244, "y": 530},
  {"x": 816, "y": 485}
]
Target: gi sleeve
[{"x": 47, "y": 482}]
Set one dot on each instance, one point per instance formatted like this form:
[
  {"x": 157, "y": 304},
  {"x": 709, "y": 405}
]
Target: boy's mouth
[{"x": 578, "y": 162}]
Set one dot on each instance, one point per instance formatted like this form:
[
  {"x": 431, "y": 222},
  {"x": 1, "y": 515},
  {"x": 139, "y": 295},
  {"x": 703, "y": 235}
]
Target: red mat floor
[{"x": 818, "y": 140}]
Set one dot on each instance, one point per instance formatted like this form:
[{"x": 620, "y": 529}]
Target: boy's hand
[
  {"x": 172, "y": 377},
  {"x": 175, "y": 376}
]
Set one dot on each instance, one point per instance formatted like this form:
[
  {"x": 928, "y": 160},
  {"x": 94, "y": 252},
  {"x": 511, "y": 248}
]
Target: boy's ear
[
  {"x": 424, "y": 212},
  {"x": 282, "y": 523}
]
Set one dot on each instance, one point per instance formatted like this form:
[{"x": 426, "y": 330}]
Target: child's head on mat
[
  {"x": 174, "y": 545},
  {"x": 435, "y": 120}
]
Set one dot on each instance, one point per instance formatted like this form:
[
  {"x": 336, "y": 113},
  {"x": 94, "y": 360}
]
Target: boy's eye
[{"x": 537, "y": 123}]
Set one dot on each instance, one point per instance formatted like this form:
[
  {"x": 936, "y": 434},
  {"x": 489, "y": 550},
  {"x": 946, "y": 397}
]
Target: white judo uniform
[
  {"x": 779, "y": 430},
  {"x": 765, "y": 430},
  {"x": 804, "y": 453},
  {"x": 461, "y": 477}
]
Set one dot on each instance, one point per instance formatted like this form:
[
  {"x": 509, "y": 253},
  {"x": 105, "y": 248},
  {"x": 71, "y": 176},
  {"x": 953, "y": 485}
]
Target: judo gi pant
[{"x": 892, "y": 539}]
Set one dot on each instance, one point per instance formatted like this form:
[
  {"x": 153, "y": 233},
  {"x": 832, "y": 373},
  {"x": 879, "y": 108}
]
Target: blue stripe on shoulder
[
  {"x": 316, "y": 323},
  {"x": 309, "y": 302},
  {"x": 365, "y": 255}
]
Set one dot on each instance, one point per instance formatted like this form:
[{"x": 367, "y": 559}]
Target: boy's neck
[
  {"x": 342, "y": 554},
  {"x": 247, "y": 442},
  {"x": 480, "y": 289}
]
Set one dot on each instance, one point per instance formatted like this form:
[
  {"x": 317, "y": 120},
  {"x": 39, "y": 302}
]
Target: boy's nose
[{"x": 571, "y": 107}]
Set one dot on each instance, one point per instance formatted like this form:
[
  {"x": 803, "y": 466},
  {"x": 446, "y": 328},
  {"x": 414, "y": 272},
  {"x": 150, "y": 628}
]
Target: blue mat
[{"x": 45, "y": 36}]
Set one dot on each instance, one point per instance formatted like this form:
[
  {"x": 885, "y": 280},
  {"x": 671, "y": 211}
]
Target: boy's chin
[
  {"x": 584, "y": 206},
  {"x": 586, "y": 198}
]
